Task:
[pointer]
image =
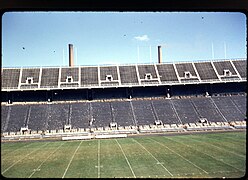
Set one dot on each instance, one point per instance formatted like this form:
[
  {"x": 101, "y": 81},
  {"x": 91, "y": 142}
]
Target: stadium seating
[
  {"x": 89, "y": 76},
  {"x": 141, "y": 112},
  {"x": 165, "y": 111},
  {"x": 185, "y": 110},
  {"x": 167, "y": 73},
  {"x": 240, "y": 102},
  {"x": 241, "y": 68},
  {"x": 49, "y": 77},
  {"x": 122, "y": 113},
  {"x": 186, "y": 72},
  {"x": 128, "y": 75},
  {"x": 10, "y": 78},
  {"x": 80, "y": 115},
  {"x": 206, "y": 71},
  {"x": 44, "y": 78},
  {"x": 206, "y": 109},
  {"x": 228, "y": 108}
]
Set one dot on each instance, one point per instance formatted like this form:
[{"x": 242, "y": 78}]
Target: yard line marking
[
  {"x": 221, "y": 148},
  {"x": 45, "y": 160},
  {"x": 222, "y": 161},
  {"x": 98, "y": 157},
  {"x": 181, "y": 156},
  {"x": 125, "y": 158},
  {"x": 153, "y": 157},
  {"x": 71, "y": 160},
  {"x": 23, "y": 158},
  {"x": 16, "y": 150}
]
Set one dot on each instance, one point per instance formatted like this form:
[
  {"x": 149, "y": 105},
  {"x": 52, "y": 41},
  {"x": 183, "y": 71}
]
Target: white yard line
[
  {"x": 154, "y": 157},
  {"x": 23, "y": 158},
  {"x": 181, "y": 156},
  {"x": 45, "y": 161},
  {"x": 16, "y": 150},
  {"x": 71, "y": 160},
  {"x": 222, "y": 161},
  {"x": 221, "y": 148},
  {"x": 98, "y": 157},
  {"x": 126, "y": 158}
]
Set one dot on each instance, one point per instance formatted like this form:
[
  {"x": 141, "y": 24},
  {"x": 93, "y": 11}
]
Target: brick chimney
[{"x": 71, "y": 57}]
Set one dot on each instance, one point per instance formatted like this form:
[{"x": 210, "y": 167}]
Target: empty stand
[
  {"x": 89, "y": 76},
  {"x": 80, "y": 115},
  {"x": 206, "y": 71},
  {"x": 57, "y": 116},
  {"x": 143, "y": 112},
  {"x": 49, "y": 78},
  {"x": 69, "y": 77},
  {"x": 17, "y": 118},
  {"x": 241, "y": 66},
  {"x": 167, "y": 73},
  {"x": 10, "y": 78},
  {"x": 206, "y": 109},
  {"x": 30, "y": 78},
  {"x": 185, "y": 110},
  {"x": 122, "y": 113},
  {"x": 228, "y": 108},
  {"x": 186, "y": 72},
  {"x": 165, "y": 112},
  {"x": 109, "y": 76},
  {"x": 147, "y": 74},
  {"x": 128, "y": 75},
  {"x": 102, "y": 114},
  {"x": 38, "y": 117},
  {"x": 225, "y": 70},
  {"x": 241, "y": 103}
]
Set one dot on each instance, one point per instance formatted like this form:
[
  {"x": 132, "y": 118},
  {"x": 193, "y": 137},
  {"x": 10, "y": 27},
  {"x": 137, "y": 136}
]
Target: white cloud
[{"x": 142, "y": 38}]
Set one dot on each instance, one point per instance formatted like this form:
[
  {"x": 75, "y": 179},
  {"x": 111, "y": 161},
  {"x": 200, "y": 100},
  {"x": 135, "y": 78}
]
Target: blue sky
[{"x": 42, "y": 38}]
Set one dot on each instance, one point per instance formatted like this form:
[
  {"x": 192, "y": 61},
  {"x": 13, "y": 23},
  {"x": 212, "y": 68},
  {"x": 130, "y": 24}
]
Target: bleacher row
[
  {"x": 123, "y": 75},
  {"x": 130, "y": 113}
]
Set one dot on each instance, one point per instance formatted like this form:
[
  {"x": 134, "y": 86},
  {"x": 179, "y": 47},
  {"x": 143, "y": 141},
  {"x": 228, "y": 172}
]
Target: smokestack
[
  {"x": 159, "y": 54},
  {"x": 71, "y": 59}
]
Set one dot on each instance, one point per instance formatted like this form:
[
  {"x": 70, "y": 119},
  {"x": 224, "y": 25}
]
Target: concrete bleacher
[
  {"x": 206, "y": 109},
  {"x": 17, "y": 118},
  {"x": 57, "y": 116},
  {"x": 49, "y": 78},
  {"x": 143, "y": 112},
  {"x": 122, "y": 113},
  {"x": 129, "y": 115},
  {"x": 84, "y": 77},
  {"x": 206, "y": 71},
  {"x": 185, "y": 110},
  {"x": 109, "y": 76},
  {"x": 10, "y": 78},
  {"x": 186, "y": 72},
  {"x": 165, "y": 111},
  {"x": 89, "y": 76},
  {"x": 167, "y": 73},
  {"x": 241, "y": 67},
  {"x": 240, "y": 102},
  {"x": 69, "y": 77},
  {"x": 102, "y": 114},
  {"x": 228, "y": 108},
  {"x": 80, "y": 115},
  {"x": 38, "y": 117},
  {"x": 128, "y": 75}
]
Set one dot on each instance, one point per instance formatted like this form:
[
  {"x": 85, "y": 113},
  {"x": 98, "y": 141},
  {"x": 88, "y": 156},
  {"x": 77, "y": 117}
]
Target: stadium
[{"x": 106, "y": 106}]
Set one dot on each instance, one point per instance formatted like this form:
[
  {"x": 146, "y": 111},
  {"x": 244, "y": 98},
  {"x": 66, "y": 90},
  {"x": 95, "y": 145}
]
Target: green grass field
[{"x": 198, "y": 155}]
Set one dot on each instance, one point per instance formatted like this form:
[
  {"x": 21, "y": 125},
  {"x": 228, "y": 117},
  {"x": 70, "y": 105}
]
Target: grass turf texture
[{"x": 198, "y": 155}]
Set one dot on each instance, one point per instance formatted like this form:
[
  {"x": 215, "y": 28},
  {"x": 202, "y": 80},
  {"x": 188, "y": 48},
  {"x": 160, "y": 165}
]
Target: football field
[{"x": 195, "y": 155}]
